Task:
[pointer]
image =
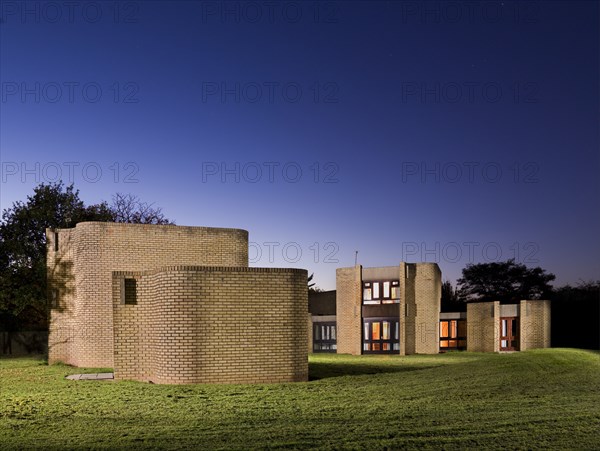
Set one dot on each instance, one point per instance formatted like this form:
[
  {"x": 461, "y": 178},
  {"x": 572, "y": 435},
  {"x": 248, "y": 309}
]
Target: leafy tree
[
  {"x": 576, "y": 316},
  {"x": 23, "y": 296},
  {"x": 450, "y": 301},
  {"x": 23, "y": 249},
  {"x": 503, "y": 281}
]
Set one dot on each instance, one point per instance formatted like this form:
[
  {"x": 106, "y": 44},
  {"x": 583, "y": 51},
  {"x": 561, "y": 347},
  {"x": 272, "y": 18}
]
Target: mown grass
[{"x": 536, "y": 399}]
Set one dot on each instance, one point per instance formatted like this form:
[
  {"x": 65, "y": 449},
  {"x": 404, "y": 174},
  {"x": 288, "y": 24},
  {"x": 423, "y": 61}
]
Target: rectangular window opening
[{"x": 130, "y": 286}]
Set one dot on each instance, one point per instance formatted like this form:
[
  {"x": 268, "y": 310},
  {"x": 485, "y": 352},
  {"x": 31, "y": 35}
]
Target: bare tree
[{"x": 129, "y": 208}]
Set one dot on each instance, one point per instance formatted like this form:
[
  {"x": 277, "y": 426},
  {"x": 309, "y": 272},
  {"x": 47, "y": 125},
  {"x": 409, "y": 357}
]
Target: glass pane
[
  {"x": 396, "y": 346},
  {"x": 333, "y": 333},
  {"x": 513, "y": 344},
  {"x": 386, "y": 290},
  {"x": 334, "y": 346},
  {"x": 367, "y": 294},
  {"x": 504, "y": 327},
  {"x": 317, "y": 332},
  {"x": 444, "y": 343},
  {"x": 386, "y": 330},
  {"x": 325, "y": 333},
  {"x": 376, "y": 347},
  {"x": 365, "y": 346},
  {"x": 396, "y": 332},
  {"x": 462, "y": 343},
  {"x": 443, "y": 329},
  {"x": 453, "y": 329},
  {"x": 452, "y": 343},
  {"x": 366, "y": 332},
  {"x": 395, "y": 292},
  {"x": 376, "y": 330},
  {"x": 375, "y": 290},
  {"x": 386, "y": 346},
  {"x": 504, "y": 343},
  {"x": 514, "y": 327}
]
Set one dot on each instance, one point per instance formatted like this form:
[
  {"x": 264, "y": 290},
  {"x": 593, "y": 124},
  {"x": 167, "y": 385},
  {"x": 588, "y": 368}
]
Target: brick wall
[
  {"x": 428, "y": 294},
  {"x": 61, "y": 295},
  {"x": 348, "y": 310},
  {"x": 212, "y": 324},
  {"x": 418, "y": 310},
  {"x": 81, "y": 329},
  {"x": 534, "y": 324},
  {"x": 483, "y": 326}
]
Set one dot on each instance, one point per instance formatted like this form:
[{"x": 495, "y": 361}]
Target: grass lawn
[{"x": 536, "y": 399}]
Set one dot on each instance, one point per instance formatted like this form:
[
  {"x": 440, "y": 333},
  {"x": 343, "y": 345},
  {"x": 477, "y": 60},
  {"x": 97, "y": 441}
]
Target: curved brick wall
[
  {"x": 213, "y": 324},
  {"x": 95, "y": 250}
]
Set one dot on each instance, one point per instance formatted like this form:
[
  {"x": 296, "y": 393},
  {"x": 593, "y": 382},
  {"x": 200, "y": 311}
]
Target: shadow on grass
[{"x": 324, "y": 370}]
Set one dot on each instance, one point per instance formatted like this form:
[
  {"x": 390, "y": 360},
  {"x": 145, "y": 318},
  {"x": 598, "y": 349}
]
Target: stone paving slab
[{"x": 91, "y": 377}]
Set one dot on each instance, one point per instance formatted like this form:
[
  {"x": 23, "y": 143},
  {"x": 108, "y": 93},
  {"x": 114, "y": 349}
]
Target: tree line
[{"x": 23, "y": 293}]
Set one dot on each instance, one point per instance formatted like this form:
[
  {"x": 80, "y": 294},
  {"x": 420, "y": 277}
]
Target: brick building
[
  {"x": 396, "y": 310},
  {"x": 173, "y": 304}
]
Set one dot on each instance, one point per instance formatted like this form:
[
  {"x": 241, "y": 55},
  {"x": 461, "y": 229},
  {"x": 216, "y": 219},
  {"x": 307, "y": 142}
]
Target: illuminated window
[
  {"x": 375, "y": 290},
  {"x": 381, "y": 292},
  {"x": 386, "y": 330},
  {"x": 378, "y": 333},
  {"x": 395, "y": 289},
  {"x": 324, "y": 337},
  {"x": 367, "y": 292},
  {"x": 453, "y": 334}
]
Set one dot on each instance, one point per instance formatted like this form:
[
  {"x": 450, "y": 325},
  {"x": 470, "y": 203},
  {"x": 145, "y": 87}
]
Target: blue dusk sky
[{"x": 436, "y": 131}]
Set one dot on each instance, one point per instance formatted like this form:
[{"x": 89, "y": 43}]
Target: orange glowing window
[
  {"x": 376, "y": 331},
  {"x": 444, "y": 329}
]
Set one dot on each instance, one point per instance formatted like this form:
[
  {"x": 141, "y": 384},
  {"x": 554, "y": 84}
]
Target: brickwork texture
[
  {"x": 418, "y": 310},
  {"x": 201, "y": 315}
]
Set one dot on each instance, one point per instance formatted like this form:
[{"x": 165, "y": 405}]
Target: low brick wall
[{"x": 212, "y": 324}]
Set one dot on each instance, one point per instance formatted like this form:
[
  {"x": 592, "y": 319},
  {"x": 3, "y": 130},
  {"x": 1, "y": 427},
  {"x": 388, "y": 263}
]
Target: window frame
[
  {"x": 461, "y": 339},
  {"x": 368, "y": 286},
  {"x": 393, "y": 332},
  {"x": 319, "y": 344}
]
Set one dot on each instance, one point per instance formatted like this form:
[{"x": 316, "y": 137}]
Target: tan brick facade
[
  {"x": 483, "y": 326},
  {"x": 348, "y": 310},
  {"x": 428, "y": 295},
  {"x": 417, "y": 312},
  {"x": 172, "y": 334},
  {"x": 534, "y": 324}
]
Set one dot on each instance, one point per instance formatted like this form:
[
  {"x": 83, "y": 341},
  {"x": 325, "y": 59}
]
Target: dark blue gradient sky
[{"x": 440, "y": 131}]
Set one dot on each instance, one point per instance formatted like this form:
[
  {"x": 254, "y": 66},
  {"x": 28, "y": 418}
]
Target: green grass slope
[{"x": 536, "y": 399}]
